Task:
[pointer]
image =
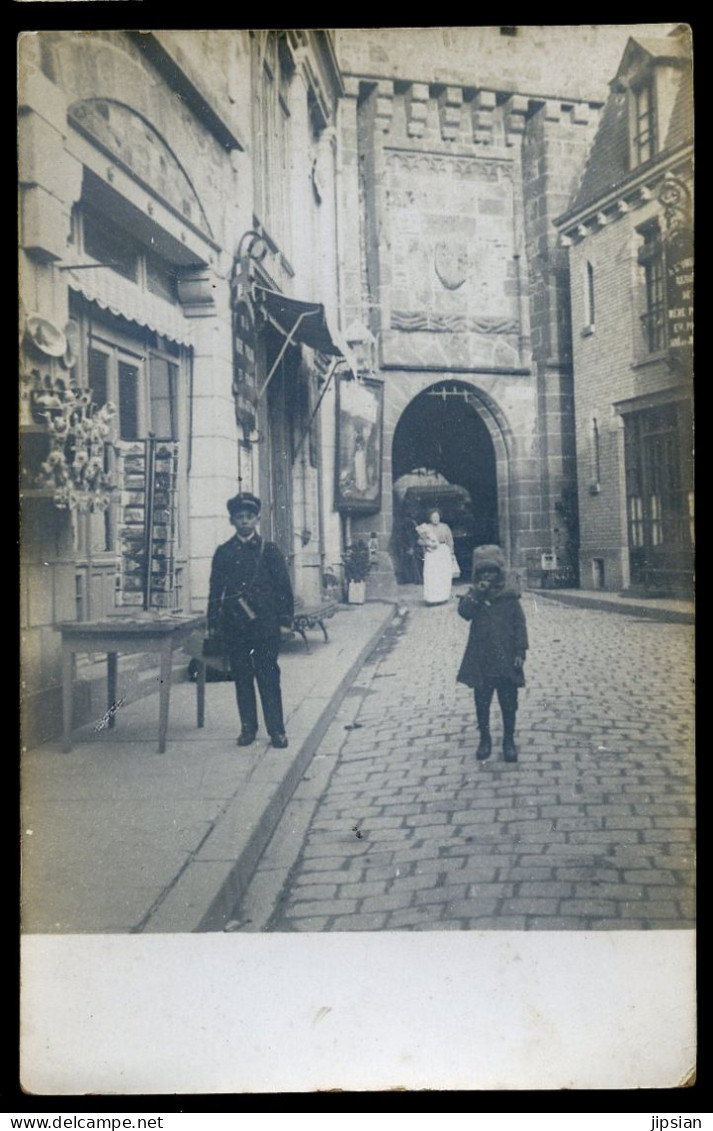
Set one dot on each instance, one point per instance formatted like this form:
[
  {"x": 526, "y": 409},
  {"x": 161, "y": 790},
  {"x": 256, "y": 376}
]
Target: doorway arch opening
[{"x": 443, "y": 455}]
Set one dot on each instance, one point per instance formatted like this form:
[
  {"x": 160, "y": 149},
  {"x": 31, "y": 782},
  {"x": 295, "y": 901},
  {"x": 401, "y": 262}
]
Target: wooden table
[{"x": 152, "y": 633}]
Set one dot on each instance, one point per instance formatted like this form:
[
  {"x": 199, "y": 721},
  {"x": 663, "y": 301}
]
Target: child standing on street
[{"x": 496, "y": 648}]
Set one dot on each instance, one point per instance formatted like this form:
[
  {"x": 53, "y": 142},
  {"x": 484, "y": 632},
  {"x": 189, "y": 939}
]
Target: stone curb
[
  {"x": 635, "y": 609},
  {"x": 245, "y": 828}
]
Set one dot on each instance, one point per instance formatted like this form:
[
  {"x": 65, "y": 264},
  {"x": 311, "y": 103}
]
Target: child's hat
[{"x": 488, "y": 557}]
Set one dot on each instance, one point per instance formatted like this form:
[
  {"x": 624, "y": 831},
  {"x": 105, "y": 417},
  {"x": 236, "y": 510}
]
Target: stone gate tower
[{"x": 453, "y": 277}]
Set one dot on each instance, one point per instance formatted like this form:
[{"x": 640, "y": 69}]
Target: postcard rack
[{"x": 147, "y": 479}]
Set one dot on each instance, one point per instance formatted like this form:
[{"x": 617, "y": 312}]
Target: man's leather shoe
[
  {"x": 246, "y": 737},
  {"x": 280, "y": 741}
]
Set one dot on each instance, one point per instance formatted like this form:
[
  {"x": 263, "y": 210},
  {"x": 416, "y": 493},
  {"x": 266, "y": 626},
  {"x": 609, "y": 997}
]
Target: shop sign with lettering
[
  {"x": 244, "y": 373},
  {"x": 679, "y": 288}
]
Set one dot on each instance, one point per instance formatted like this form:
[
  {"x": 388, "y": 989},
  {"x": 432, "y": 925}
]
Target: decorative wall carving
[
  {"x": 450, "y": 282},
  {"x": 448, "y": 256},
  {"x": 133, "y": 143},
  {"x": 450, "y": 260},
  {"x": 491, "y": 168},
  {"x": 414, "y": 320}
]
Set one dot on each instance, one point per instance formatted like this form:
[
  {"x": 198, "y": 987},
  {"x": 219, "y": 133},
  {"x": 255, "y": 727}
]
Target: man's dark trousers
[{"x": 255, "y": 660}]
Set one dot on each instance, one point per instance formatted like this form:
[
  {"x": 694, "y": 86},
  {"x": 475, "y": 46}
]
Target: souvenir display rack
[{"x": 147, "y": 481}]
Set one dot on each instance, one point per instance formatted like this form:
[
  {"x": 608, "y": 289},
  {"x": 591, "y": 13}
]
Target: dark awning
[{"x": 304, "y": 322}]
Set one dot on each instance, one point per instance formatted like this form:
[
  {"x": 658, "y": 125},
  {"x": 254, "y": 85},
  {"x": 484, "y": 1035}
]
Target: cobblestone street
[{"x": 591, "y": 829}]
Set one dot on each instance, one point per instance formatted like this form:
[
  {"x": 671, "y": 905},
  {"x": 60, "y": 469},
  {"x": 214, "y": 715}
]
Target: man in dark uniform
[{"x": 250, "y": 597}]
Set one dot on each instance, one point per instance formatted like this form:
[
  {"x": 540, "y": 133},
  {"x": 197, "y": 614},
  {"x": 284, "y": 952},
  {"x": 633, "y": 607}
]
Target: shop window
[
  {"x": 100, "y": 238},
  {"x": 659, "y": 492},
  {"x": 109, "y": 245},
  {"x": 273, "y": 148},
  {"x": 98, "y": 376},
  {"x": 656, "y": 531},
  {"x": 128, "y": 400},
  {"x": 651, "y": 258},
  {"x": 140, "y": 373},
  {"x": 162, "y": 390},
  {"x": 636, "y": 521}
]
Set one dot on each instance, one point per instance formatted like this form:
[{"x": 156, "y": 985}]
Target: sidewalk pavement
[
  {"x": 670, "y": 610},
  {"x": 119, "y": 838}
]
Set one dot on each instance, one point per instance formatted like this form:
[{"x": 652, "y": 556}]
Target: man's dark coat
[
  {"x": 255, "y": 574},
  {"x": 264, "y": 585}
]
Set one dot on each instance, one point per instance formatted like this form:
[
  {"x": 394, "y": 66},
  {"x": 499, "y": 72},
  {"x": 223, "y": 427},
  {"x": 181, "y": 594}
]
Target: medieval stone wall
[
  {"x": 458, "y": 190},
  {"x": 570, "y": 61},
  {"x": 555, "y": 145}
]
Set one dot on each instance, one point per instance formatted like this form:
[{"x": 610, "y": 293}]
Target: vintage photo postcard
[{"x": 357, "y": 556}]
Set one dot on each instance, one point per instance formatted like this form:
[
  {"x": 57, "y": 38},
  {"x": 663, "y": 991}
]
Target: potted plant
[{"x": 357, "y": 563}]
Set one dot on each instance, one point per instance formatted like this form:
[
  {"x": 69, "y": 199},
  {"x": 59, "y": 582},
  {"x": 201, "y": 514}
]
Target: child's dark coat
[{"x": 498, "y": 635}]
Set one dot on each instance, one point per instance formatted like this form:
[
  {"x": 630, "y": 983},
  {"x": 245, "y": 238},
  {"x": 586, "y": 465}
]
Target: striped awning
[{"x": 123, "y": 298}]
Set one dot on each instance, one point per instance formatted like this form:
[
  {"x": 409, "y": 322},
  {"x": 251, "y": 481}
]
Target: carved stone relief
[
  {"x": 135, "y": 145},
  {"x": 449, "y": 255}
]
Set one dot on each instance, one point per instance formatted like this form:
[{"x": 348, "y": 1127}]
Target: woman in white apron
[{"x": 439, "y": 560}]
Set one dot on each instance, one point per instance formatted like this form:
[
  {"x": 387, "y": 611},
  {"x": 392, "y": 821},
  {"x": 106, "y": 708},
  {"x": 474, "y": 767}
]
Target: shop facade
[
  {"x": 168, "y": 182},
  {"x": 629, "y": 231}
]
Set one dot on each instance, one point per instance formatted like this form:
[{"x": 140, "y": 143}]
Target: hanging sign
[
  {"x": 679, "y": 288},
  {"x": 359, "y": 439},
  {"x": 243, "y": 325}
]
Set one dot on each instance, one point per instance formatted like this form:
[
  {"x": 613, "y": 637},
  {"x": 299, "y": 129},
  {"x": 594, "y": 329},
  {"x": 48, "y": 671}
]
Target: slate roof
[
  {"x": 608, "y": 162},
  {"x": 680, "y": 129},
  {"x": 607, "y": 166},
  {"x": 664, "y": 47}
]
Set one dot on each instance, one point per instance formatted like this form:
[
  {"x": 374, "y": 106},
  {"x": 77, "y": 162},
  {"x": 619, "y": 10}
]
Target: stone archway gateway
[{"x": 455, "y": 430}]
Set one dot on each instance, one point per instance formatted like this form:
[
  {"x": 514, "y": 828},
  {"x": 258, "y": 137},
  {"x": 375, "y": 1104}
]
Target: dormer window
[{"x": 643, "y": 141}]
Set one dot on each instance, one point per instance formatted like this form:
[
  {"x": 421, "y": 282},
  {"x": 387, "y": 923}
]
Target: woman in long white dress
[{"x": 436, "y": 538}]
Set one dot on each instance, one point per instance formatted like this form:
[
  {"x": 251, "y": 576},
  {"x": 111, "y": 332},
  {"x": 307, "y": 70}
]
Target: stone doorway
[{"x": 442, "y": 431}]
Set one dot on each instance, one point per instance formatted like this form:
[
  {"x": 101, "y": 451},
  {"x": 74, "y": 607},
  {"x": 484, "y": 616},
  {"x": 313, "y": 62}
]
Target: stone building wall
[
  {"x": 162, "y": 128},
  {"x": 97, "y": 113},
  {"x": 612, "y": 365},
  {"x": 629, "y": 234},
  {"x": 547, "y": 61},
  {"x": 555, "y": 145},
  {"x": 457, "y": 189}
]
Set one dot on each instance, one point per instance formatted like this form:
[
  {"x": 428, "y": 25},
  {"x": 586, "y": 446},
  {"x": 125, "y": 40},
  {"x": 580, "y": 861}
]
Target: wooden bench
[
  {"x": 310, "y": 616},
  {"x": 304, "y": 617}
]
